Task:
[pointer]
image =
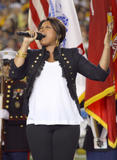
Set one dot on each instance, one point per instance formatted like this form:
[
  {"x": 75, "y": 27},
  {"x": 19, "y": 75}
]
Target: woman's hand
[
  {"x": 27, "y": 41},
  {"x": 33, "y": 36},
  {"x": 105, "y": 58},
  {"x": 108, "y": 35},
  {"x": 22, "y": 53}
]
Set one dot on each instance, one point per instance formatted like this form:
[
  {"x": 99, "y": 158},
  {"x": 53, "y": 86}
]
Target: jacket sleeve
[
  {"x": 88, "y": 69},
  {"x": 17, "y": 73}
]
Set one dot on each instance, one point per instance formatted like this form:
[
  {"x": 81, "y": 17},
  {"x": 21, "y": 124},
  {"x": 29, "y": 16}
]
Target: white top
[{"x": 50, "y": 102}]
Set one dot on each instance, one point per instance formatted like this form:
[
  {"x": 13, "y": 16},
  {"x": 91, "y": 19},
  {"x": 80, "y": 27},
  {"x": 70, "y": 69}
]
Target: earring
[{"x": 57, "y": 42}]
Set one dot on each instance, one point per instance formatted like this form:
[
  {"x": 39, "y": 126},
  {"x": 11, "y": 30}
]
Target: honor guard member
[
  {"x": 97, "y": 146},
  {"x": 93, "y": 140},
  {"x": 14, "y": 135}
]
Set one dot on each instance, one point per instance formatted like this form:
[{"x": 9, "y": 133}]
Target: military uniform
[
  {"x": 95, "y": 148},
  {"x": 14, "y": 138},
  {"x": 101, "y": 153},
  {"x": 14, "y": 128}
]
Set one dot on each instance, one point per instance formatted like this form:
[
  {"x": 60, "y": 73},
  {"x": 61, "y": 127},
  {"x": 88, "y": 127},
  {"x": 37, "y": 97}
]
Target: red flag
[
  {"x": 114, "y": 40},
  {"x": 100, "y": 96}
]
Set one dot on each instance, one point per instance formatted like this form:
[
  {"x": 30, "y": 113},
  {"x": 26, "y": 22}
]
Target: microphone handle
[{"x": 26, "y": 34}]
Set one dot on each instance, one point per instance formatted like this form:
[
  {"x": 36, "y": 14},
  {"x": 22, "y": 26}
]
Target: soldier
[
  {"x": 98, "y": 148},
  {"x": 93, "y": 140},
  {"x": 15, "y": 145}
]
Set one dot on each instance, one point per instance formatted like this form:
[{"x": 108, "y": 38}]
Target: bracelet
[{"x": 20, "y": 54}]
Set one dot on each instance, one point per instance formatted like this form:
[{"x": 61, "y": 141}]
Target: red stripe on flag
[
  {"x": 33, "y": 45},
  {"x": 34, "y": 14},
  {"x": 45, "y": 7}
]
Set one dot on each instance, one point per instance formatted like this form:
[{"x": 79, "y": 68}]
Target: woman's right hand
[
  {"x": 22, "y": 53},
  {"x": 28, "y": 40}
]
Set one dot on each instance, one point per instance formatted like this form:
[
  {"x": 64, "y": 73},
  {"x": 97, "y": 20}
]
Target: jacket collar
[{"x": 46, "y": 53}]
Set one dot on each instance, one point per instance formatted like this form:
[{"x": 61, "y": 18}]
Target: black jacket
[{"x": 71, "y": 63}]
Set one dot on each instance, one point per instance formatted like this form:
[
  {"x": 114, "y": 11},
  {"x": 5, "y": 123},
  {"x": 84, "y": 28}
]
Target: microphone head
[{"x": 40, "y": 36}]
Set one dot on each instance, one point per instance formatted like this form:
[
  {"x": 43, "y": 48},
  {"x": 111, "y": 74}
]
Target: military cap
[{"x": 7, "y": 54}]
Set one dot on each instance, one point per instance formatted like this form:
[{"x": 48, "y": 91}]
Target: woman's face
[{"x": 50, "y": 34}]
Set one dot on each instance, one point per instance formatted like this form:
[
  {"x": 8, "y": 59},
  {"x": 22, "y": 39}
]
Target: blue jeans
[{"x": 15, "y": 156}]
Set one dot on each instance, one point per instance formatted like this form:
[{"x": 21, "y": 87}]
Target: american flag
[{"x": 38, "y": 10}]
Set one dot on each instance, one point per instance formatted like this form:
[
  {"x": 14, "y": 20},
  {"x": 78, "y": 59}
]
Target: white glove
[{"x": 4, "y": 114}]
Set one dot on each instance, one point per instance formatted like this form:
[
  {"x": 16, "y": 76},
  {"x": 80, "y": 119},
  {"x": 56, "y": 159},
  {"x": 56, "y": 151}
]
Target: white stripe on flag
[
  {"x": 39, "y": 9},
  {"x": 33, "y": 27},
  {"x": 31, "y": 24}
]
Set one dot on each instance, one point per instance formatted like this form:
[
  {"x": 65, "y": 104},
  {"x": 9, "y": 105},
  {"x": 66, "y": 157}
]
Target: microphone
[{"x": 26, "y": 34}]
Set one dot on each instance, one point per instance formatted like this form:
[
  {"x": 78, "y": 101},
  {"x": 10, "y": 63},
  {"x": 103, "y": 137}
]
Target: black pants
[{"x": 53, "y": 142}]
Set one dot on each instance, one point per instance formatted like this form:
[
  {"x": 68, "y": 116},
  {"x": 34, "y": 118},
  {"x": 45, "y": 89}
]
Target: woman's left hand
[{"x": 108, "y": 34}]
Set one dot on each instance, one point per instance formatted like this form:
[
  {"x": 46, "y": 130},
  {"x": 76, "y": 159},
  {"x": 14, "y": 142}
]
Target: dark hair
[{"x": 57, "y": 25}]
